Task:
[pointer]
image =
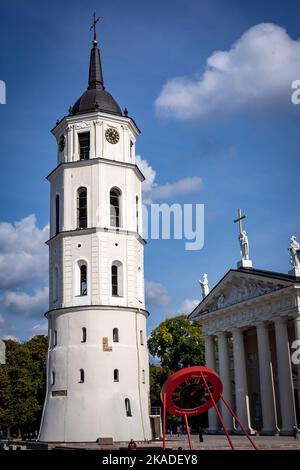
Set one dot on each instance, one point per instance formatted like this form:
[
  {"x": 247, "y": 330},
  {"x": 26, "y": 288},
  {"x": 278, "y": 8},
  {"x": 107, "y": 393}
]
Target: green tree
[
  {"x": 177, "y": 343},
  {"x": 22, "y": 384}
]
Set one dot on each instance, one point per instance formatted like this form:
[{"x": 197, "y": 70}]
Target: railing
[
  {"x": 155, "y": 411},
  {"x": 84, "y": 153}
]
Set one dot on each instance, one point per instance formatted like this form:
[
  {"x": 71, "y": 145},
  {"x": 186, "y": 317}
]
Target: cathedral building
[
  {"x": 251, "y": 324},
  {"x": 97, "y": 370}
]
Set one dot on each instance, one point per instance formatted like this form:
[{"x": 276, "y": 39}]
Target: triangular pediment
[{"x": 239, "y": 286}]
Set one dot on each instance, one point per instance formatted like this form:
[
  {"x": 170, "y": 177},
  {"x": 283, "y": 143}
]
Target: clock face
[
  {"x": 62, "y": 143},
  {"x": 190, "y": 394},
  {"x": 186, "y": 393},
  {"x": 112, "y": 136}
]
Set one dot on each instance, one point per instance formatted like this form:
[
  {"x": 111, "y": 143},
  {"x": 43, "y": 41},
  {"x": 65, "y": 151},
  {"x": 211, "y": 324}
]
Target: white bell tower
[{"x": 97, "y": 373}]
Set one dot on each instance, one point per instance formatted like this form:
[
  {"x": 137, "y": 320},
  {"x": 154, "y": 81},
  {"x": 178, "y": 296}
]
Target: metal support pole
[
  {"x": 188, "y": 431},
  {"x": 217, "y": 411},
  {"x": 164, "y": 420},
  {"x": 239, "y": 423}
]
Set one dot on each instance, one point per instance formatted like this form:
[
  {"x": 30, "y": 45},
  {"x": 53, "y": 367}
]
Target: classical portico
[{"x": 253, "y": 316}]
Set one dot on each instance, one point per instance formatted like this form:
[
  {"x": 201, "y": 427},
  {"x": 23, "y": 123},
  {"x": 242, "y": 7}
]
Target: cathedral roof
[
  {"x": 259, "y": 284},
  {"x": 96, "y": 98}
]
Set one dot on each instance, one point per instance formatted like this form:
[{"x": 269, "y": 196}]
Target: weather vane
[{"x": 95, "y": 21}]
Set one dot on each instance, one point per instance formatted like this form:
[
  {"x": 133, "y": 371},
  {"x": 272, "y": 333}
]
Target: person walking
[
  {"x": 295, "y": 432},
  {"x": 200, "y": 434}
]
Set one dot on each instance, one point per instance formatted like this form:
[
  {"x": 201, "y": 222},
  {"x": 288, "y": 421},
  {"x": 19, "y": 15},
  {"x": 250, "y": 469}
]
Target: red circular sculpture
[
  {"x": 192, "y": 391},
  {"x": 186, "y": 392}
]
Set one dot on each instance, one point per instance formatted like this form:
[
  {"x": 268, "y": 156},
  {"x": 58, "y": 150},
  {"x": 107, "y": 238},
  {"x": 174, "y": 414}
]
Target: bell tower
[{"x": 97, "y": 370}]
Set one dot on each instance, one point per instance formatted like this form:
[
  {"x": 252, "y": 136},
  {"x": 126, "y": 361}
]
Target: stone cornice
[
  {"x": 253, "y": 311},
  {"x": 79, "y": 308},
  {"x": 89, "y": 230},
  {"x": 93, "y": 161}
]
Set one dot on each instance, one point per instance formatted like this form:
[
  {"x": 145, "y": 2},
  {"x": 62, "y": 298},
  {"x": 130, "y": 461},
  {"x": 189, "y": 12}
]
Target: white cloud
[
  {"x": 256, "y": 72},
  {"x": 30, "y": 305},
  {"x": 188, "y": 305},
  {"x": 179, "y": 188},
  {"x": 148, "y": 172},
  {"x": 2, "y": 320},
  {"x": 39, "y": 329},
  {"x": 23, "y": 253},
  {"x": 156, "y": 295},
  {"x": 152, "y": 191},
  {"x": 13, "y": 338}
]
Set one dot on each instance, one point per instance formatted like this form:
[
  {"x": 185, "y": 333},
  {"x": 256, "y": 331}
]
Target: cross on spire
[
  {"x": 239, "y": 220},
  {"x": 93, "y": 26}
]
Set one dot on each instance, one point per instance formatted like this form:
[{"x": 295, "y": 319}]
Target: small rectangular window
[
  {"x": 143, "y": 376},
  {"x": 55, "y": 338},
  {"x": 131, "y": 149},
  {"x": 83, "y": 335},
  {"x": 116, "y": 375},
  {"x": 141, "y": 338},
  {"x": 53, "y": 378},
  {"x": 84, "y": 145}
]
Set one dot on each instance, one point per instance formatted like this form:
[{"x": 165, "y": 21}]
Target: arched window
[
  {"x": 83, "y": 279},
  {"x": 82, "y": 208},
  {"x": 115, "y": 200},
  {"x": 141, "y": 337},
  {"x": 115, "y": 335},
  {"x": 57, "y": 215},
  {"x": 116, "y": 375},
  {"x": 55, "y": 284},
  {"x": 81, "y": 376},
  {"x": 128, "y": 407},
  {"x": 137, "y": 212},
  {"x": 143, "y": 376},
  {"x": 117, "y": 279},
  {"x": 53, "y": 377},
  {"x": 83, "y": 335}
]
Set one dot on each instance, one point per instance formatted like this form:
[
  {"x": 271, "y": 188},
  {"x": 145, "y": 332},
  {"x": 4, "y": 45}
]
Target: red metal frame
[{"x": 208, "y": 376}]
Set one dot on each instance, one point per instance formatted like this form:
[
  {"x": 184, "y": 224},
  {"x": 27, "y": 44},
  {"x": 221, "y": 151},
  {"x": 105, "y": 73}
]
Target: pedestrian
[
  {"x": 295, "y": 432},
  {"x": 178, "y": 430},
  {"x": 171, "y": 431},
  {"x": 200, "y": 434},
  {"x": 181, "y": 429},
  {"x": 132, "y": 445}
]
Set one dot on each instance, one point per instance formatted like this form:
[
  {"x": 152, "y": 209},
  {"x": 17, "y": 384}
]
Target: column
[
  {"x": 210, "y": 361},
  {"x": 224, "y": 366},
  {"x": 240, "y": 377},
  {"x": 286, "y": 393},
  {"x": 267, "y": 395},
  {"x": 297, "y": 337}
]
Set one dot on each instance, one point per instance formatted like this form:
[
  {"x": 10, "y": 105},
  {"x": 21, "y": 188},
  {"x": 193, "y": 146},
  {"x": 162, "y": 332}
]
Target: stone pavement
[{"x": 212, "y": 442}]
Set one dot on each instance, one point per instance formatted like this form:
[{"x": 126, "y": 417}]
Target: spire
[
  {"x": 95, "y": 71},
  {"x": 95, "y": 98}
]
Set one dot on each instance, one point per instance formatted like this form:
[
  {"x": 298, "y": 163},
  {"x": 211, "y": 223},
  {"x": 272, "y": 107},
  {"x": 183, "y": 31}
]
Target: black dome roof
[{"x": 96, "y": 98}]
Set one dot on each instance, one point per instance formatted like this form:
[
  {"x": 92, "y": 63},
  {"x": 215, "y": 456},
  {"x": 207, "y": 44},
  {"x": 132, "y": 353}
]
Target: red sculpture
[{"x": 192, "y": 391}]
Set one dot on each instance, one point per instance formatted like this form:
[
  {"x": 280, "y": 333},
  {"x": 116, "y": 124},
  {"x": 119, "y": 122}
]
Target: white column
[
  {"x": 210, "y": 362},
  {"x": 224, "y": 366},
  {"x": 286, "y": 393},
  {"x": 297, "y": 337},
  {"x": 240, "y": 377},
  {"x": 267, "y": 395}
]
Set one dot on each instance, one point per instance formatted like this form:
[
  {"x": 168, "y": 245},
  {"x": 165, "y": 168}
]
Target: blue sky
[{"x": 241, "y": 139}]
